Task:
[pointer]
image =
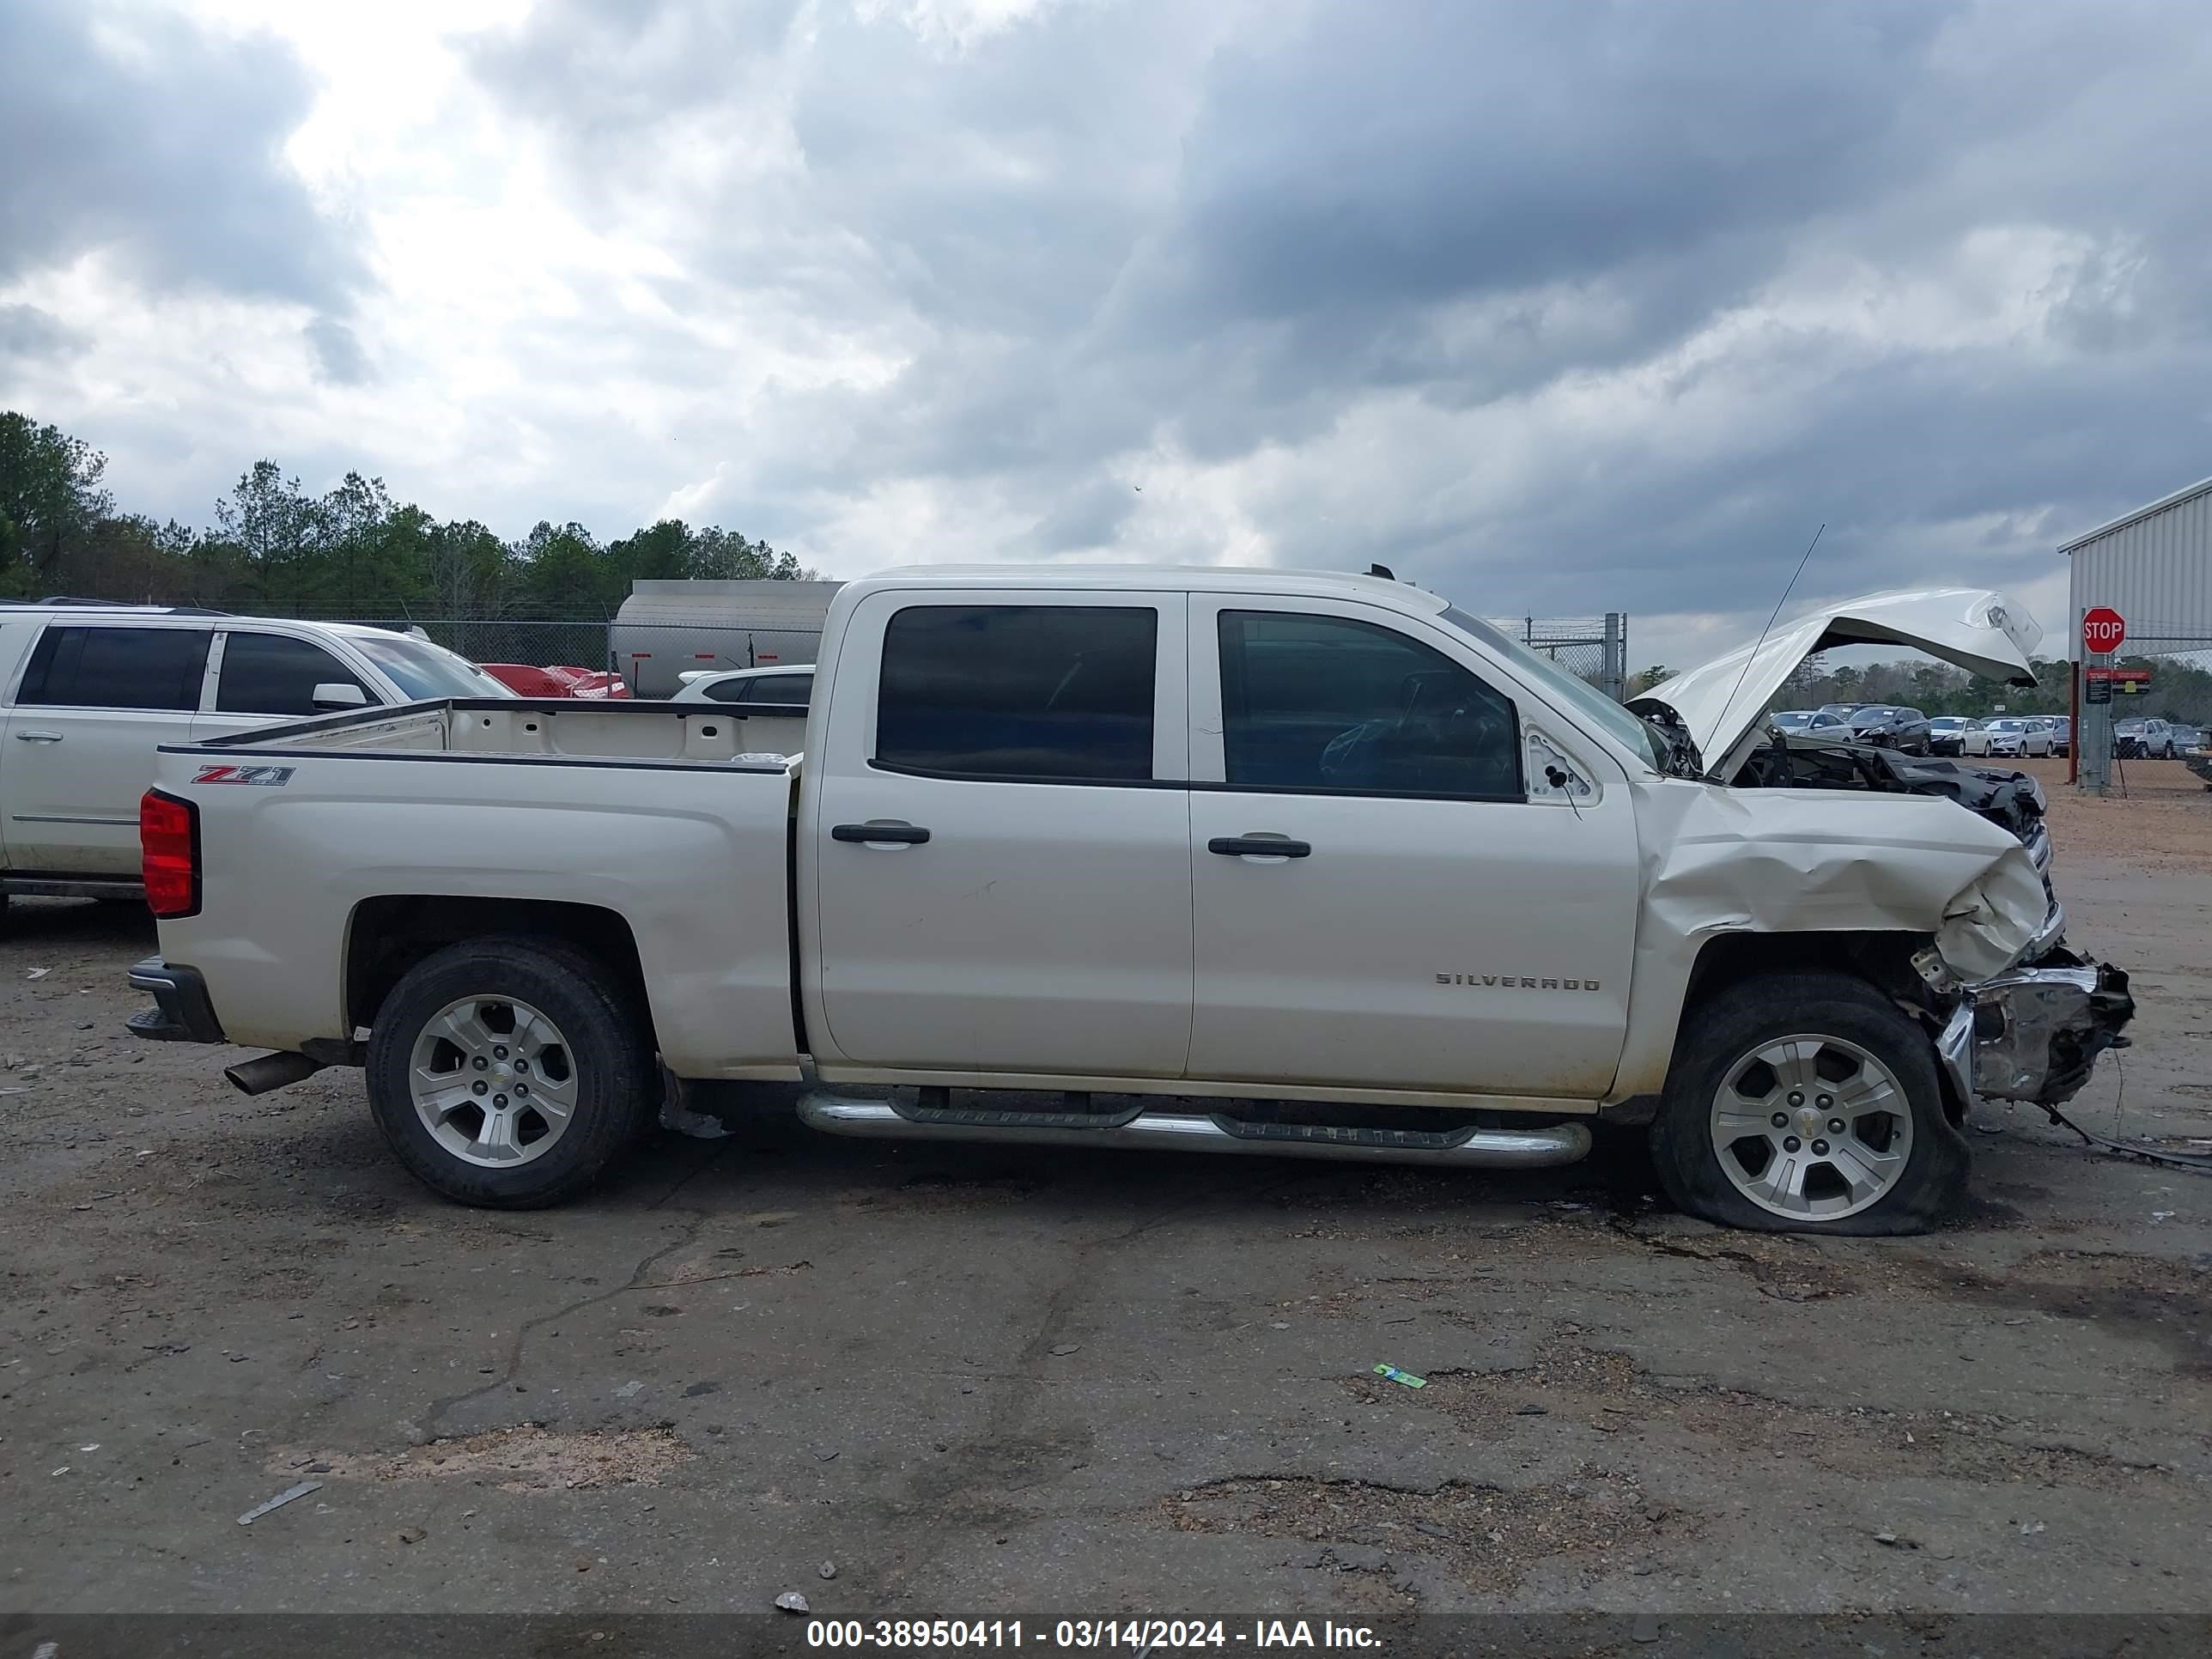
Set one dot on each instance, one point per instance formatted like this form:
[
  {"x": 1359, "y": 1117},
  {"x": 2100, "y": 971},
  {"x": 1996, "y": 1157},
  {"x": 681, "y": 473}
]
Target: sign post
[{"x": 2103, "y": 631}]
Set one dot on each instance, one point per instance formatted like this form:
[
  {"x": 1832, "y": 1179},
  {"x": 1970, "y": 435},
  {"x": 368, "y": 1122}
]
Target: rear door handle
[
  {"x": 912, "y": 834},
  {"x": 1259, "y": 847},
  {"x": 38, "y": 737}
]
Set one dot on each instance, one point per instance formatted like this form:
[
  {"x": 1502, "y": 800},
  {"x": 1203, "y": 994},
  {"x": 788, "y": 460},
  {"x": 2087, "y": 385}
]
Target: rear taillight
[{"x": 169, "y": 847}]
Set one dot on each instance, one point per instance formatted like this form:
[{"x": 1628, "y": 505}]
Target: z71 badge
[{"x": 270, "y": 777}]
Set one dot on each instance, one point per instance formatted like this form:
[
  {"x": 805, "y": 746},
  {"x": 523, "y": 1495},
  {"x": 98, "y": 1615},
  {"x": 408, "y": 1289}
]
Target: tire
[
  {"x": 602, "y": 1069},
  {"x": 1852, "y": 1023}
]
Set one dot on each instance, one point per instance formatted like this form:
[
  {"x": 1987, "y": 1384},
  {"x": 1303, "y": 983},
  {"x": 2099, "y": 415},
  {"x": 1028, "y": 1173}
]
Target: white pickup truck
[{"x": 1224, "y": 860}]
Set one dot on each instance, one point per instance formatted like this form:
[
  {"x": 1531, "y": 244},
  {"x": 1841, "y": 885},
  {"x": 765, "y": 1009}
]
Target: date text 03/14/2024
[{"x": 1137, "y": 1635}]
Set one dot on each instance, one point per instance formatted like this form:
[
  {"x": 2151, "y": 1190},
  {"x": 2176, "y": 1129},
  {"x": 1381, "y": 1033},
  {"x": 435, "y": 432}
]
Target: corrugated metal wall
[{"x": 2155, "y": 569}]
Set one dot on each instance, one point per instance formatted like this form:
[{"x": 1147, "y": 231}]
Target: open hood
[{"x": 1723, "y": 701}]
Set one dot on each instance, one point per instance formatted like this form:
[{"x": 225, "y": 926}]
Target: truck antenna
[{"x": 1769, "y": 628}]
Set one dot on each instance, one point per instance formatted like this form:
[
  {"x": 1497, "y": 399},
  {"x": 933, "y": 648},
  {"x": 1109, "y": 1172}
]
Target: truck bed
[
  {"x": 521, "y": 728},
  {"x": 363, "y": 827}
]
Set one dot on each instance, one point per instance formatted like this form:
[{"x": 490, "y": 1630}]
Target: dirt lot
[{"x": 976, "y": 1382}]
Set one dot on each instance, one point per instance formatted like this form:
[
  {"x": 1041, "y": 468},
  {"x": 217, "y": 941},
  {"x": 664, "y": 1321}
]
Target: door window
[
  {"x": 275, "y": 674},
  {"x": 1339, "y": 706},
  {"x": 157, "y": 668},
  {"x": 1026, "y": 693}
]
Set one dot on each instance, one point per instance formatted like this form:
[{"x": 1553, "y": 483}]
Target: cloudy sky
[{"x": 1555, "y": 307}]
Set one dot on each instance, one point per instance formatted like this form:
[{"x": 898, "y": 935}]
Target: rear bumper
[{"x": 181, "y": 1010}]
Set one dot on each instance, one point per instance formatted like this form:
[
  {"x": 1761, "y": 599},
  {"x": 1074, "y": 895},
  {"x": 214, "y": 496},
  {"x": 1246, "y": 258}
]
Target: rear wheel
[
  {"x": 1808, "y": 1102},
  {"x": 507, "y": 1072}
]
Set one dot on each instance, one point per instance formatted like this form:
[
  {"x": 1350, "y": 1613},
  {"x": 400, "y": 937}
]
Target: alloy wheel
[
  {"x": 1811, "y": 1128},
  {"x": 493, "y": 1081}
]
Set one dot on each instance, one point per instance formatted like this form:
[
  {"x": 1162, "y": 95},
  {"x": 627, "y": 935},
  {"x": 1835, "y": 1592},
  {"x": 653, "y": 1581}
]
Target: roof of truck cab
[{"x": 1188, "y": 577}]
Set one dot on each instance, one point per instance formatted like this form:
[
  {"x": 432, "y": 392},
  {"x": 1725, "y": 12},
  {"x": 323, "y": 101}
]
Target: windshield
[
  {"x": 423, "y": 669},
  {"x": 1792, "y": 718},
  {"x": 2007, "y": 725},
  {"x": 1576, "y": 693},
  {"x": 1947, "y": 721}
]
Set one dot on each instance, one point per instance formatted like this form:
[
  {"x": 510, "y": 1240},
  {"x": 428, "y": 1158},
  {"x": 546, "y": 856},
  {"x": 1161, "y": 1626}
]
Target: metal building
[{"x": 2153, "y": 566}]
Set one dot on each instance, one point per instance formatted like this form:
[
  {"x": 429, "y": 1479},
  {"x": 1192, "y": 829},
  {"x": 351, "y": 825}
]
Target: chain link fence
[
  {"x": 651, "y": 657},
  {"x": 538, "y": 641},
  {"x": 1594, "y": 647},
  {"x": 2168, "y": 716}
]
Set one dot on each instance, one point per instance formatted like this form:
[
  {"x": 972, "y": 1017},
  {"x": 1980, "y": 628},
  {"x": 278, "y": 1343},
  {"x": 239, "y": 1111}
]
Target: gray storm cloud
[
  {"x": 1108, "y": 231},
  {"x": 164, "y": 153},
  {"x": 1583, "y": 306}
]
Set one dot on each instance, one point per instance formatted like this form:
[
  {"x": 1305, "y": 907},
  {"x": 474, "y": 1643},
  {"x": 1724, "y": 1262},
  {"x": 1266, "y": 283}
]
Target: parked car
[
  {"x": 771, "y": 701},
  {"x": 1798, "y": 721},
  {"x": 1946, "y": 733},
  {"x": 88, "y": 691},
  {"x": 562, "y": 680},
  {"x": 1888, "y": 726},
  {"x": 1159, "y": 842},
  {"x": 780, "y": 686},
  {"x": 2144, "y": 739},
  {"x": 2016, "y": 737},
  {"x": 2188, "y": 740},
  {"x": 2062, "y": 734}
]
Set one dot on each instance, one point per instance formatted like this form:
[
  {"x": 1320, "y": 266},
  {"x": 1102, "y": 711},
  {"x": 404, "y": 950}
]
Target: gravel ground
[
  {"x": 2164, "y": 822},
  {"x": 981, "y": 1381}
]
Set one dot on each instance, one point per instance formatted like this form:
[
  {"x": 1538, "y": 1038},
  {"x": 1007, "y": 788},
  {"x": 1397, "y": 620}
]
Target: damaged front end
[
  {"x": 2028, "y": 1016},
  {"x": 2033, "y": 1032}
]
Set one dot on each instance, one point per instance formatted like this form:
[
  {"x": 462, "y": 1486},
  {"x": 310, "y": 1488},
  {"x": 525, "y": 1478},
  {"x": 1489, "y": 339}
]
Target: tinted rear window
[
  {"x": 782, "y": 688},
  {"x": 155, "y": 668},
  {"x": 1031, "y": 692}
]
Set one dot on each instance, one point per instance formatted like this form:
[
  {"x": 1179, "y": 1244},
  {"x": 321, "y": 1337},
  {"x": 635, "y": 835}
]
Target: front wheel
[
  {"x": 507, "y": 1072},
  {"x": 1808, "y": 1102}
]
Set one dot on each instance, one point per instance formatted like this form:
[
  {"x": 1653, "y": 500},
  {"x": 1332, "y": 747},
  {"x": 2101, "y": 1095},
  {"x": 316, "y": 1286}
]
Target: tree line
[{"x": 277, "y": 548}]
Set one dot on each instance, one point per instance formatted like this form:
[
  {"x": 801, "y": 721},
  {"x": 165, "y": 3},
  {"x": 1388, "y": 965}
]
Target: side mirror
[{"x": 340, "y": 694}]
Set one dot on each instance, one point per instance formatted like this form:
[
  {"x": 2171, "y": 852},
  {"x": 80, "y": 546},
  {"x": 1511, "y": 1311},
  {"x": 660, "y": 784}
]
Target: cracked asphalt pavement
[{"x": 978, "y": 1381}]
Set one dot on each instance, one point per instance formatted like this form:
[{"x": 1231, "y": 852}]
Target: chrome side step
[{"x": 1193, "y": 1132}]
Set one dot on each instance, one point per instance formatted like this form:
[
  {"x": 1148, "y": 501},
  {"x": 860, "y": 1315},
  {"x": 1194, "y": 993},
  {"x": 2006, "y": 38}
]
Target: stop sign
[{"x": 2102, "y": 628}]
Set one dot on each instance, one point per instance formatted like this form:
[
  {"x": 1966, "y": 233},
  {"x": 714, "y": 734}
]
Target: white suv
[{"x": 88, "y": 691}]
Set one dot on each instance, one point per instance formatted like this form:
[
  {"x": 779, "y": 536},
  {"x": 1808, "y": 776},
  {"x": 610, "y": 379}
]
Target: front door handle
[
  {"x": 911, "y": 833},
  {"x": 1259, "y": 847},
  {"x": 38, "y": 737}
]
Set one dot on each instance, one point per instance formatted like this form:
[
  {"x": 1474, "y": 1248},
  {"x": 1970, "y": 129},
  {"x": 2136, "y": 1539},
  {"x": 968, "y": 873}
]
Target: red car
[{"x": 557, "y": 681}]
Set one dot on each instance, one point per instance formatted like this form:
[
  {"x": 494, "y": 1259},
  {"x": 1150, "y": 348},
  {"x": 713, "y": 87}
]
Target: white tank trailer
[{"x": 665, "y": 629}]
